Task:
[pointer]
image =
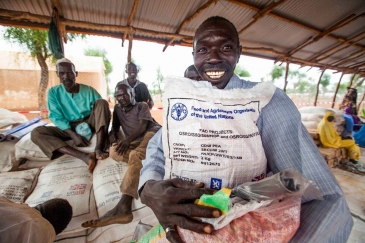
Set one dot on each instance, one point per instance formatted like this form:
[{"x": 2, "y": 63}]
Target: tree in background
[
  {"x": 157, "y": 83},
  {"x": 241, "y": 71},
  {"x": 36, "y": 42},
  {"x": 276, "y": 73},
  {"x": 325, "y": 81},
  {"x": 96, "y": 52}
]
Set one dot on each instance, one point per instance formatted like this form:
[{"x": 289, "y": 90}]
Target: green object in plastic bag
[{"x": 219, "y": 200}]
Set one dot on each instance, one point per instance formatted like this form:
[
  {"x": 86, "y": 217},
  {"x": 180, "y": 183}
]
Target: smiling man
[
  {"x": 72, "y": 106},
  {"x": 285, "y": 142},
  {"x": 139, "y": 89}
]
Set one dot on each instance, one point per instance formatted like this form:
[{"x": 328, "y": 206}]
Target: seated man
[
  {"x": 285, "y": 143},
  {"x": 20, "y": 223},
  {"x": 69, "y": 105},
  {"x": 138, "y": 127},
  {"x": 192, "y": 73},
  {"x": 139, "y": 89}
]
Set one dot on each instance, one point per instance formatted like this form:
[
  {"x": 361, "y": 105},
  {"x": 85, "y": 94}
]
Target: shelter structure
[
  {"x": 20, "y": 75},
  {"x": 327, "y": 34}
]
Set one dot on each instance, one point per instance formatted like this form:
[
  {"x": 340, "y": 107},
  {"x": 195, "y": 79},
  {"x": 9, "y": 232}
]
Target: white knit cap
[{"x": 63, "y": 60}]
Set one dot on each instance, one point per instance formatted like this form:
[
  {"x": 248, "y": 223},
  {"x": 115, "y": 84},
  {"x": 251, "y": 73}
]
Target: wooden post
[
  {"x": 358, "y": 106},
  {"x": 337, "y": 87},
  {"x": 319, "y": 81},
  {"x": 130, "y": 38},
  {"x": 358, "y": 84},
  {"x": 286, "y": 76},
  {"x": 352, "y": 80}
]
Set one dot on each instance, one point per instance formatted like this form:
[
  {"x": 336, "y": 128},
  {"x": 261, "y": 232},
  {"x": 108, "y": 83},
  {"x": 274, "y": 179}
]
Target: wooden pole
[
  {"x": 130, "y": 38},
  {"x": 358, "y": 84},
  {"x": 286, "y": 76},
  {"x": 352, "y": 80},
  {"x": 130, "y": 19},
  {"x": 319, "y": 81},
  {"x": 337, "y": 87},
  {"x": 358, "y": 106}
]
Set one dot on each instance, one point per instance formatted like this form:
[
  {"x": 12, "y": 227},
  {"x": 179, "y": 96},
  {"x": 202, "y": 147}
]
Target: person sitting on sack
[
  {"x": 330, "y": 138},
  {"x": 138, "y": 128},
  {"x": 192, "y": 73},
  {"x": 21, "y": 223},
  {"x": 285, "y": 144},
  {"x": 139, "y": 89},
  {"x": 77, "y": 110}
]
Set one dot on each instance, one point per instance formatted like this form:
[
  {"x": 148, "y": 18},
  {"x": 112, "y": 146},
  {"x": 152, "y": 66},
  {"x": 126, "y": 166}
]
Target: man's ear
[
  {"x": 76, "y": 73},
  {"x": 239, "y": 52}
]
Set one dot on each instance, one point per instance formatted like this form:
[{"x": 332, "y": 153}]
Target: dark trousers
[{"x": 50, "y": 139}]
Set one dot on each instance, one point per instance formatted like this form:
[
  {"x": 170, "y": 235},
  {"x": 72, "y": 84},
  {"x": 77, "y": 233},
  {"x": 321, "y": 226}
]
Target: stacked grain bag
[{"x": 311, "y": 116}]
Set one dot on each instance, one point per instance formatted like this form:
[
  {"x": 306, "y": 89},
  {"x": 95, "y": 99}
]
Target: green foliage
[
  {"x": 158, "y": 82},
  {"x": 241, "y": 71},
  {"x": 96, "y": 52},
  {"x": 325, "y": 81},
  {"x": 277, "y": 72},
  {"x": 35, "y": 41}
]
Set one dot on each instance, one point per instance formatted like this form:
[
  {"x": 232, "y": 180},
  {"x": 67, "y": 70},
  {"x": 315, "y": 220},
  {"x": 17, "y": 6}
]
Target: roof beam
[
  {"x": 243, "y": 3},
  {"x": 349, "y": 58},
  {"x": 130, "y": 19},
  {"x": 326, "y": 32},
  {"x": 343, "y": 48},
  {"x": 294, "y": 60},
  {"x": 42, "y": 22},
  {"x": 261, "y": 13},
  {"x": 189, "y": 19},
  {"x": 336, "y": 46}
]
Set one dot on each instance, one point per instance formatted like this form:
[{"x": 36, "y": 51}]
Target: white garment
[{"x": 209, "y": 133}]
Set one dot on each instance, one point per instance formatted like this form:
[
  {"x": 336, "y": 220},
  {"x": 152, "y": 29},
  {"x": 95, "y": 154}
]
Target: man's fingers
[{"x": 194, "y": 210}]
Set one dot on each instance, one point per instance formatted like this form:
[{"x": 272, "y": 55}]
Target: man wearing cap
[{"x": 77, "y": 110}]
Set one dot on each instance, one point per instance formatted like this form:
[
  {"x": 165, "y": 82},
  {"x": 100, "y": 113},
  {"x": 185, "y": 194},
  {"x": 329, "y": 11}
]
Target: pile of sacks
[{"x": 312, "y": 115}]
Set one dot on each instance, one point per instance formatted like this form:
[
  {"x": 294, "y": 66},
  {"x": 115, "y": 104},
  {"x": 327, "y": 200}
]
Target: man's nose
[{"x": 214, "y": 56}]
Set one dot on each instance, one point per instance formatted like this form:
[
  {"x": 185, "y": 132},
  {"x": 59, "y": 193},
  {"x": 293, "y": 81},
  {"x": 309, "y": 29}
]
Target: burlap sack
[
  {"x": 68, "y": 178},
  {"x": 7, "y": 156},
  {"x": 17, "y": 185},
  {"x": 26, "y": 149},
  {"x": 107, "y": 177}
]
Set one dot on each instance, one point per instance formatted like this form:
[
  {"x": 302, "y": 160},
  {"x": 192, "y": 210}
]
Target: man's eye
[
  {"x": 202, "y": 50},
  {"x": 226, "y": 48}
]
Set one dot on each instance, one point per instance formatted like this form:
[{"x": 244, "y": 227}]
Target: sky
[{"x": 149, "y": 56}]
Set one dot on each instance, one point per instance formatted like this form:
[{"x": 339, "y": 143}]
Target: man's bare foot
[
  {"x": 120, "y": 214},
  {"x": 111, "y": 217},
  {"x": 90, "y": 160},
  {"x": 101, "y": 154}
]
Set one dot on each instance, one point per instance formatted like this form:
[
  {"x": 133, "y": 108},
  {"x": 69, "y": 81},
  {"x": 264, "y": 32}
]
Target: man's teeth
[{"x": 215, "y": 75}]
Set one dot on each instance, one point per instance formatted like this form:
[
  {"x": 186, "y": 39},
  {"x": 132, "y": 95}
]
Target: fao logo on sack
[{"x": 179, "y": 111}]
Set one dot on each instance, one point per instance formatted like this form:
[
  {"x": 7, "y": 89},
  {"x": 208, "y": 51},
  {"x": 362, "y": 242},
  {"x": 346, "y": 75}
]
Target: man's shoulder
[{"x": 55, "y": 89}]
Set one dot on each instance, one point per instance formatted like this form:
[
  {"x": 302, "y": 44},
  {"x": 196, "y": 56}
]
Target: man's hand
[
  {"x": 122, "y": 147},
  {"x": 172, "y": 201},
  {"x": 80, "y": 141}
]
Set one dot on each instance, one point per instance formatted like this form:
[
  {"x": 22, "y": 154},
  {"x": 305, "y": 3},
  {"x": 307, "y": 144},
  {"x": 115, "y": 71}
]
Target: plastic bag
[
  {"x": 269, "y": 211},
  {"x": 285, "y": 183}
]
